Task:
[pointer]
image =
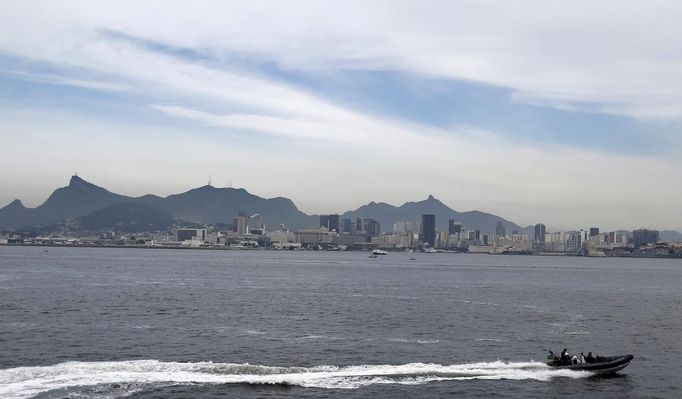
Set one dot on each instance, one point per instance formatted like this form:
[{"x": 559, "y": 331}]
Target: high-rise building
[
  {"x": 645, "y": 236},
  {"x": 347, "y": 225},
  {"x": 478, "y": 235},
  {"x": 573, "y": 242},
  {"x": 256, "y": 222},
  {"x": 331, "y": 222},
  {"x": 594, "y": 231},
  {"x": 428, "y": 235},
  {"x": 539, "y": 237},
  {"x": 358, "y": 224},
  {"x": 454, "y": 227},
  {"x": 612, "y": 237},
  {"x": 499, "y": 229},
  {"x": 372, "y": 227},
  {"x": 239, "y": 224}
]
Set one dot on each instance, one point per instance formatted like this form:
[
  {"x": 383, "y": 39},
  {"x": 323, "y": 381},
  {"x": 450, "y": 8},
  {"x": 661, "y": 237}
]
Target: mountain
[
  {"x": 77, "y": 199},
  {"x": 127, "y": 217},
  {"x": 388, "y": 214},
  {"x": 209, "y": 204},
  {"x": 205, "y": 204},
  {"x": 82, "y": 202},
  {"x": 670, "y": 236}
]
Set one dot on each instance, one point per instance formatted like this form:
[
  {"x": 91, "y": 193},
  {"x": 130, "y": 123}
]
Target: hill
[{"x": 388, "y": 214}]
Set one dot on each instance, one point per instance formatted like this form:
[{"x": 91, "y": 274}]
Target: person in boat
[
  {"x": 565, "y": 358},
  {"x": 589, "y": 358}
]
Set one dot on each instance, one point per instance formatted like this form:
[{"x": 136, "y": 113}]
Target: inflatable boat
[{"x": 600, "y": 364}]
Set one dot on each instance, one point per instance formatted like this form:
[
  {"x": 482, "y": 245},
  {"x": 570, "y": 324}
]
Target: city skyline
[
  {"x": 544, "y": 113},
  {"x": 326, "y": 219}
]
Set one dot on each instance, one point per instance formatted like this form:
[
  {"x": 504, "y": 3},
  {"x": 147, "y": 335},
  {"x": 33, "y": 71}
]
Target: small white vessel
[{"x": 379, "y": 252}]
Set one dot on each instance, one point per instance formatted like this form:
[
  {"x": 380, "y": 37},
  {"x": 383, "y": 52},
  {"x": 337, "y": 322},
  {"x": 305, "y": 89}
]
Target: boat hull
[{"x": 605, "y": 365}]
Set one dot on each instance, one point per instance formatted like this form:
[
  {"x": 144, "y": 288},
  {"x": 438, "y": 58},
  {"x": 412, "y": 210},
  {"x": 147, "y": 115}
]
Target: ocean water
[{"x": 110, "y": 323}]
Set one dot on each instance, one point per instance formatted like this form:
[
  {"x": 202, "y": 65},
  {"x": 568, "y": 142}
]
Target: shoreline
[{"x": 548, "y": 254}]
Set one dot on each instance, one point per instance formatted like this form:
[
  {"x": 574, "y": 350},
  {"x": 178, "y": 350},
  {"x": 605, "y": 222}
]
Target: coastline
[{"x": 227, "y": 248}]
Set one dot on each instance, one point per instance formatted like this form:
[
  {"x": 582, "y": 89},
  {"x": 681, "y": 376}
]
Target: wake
[{"x": 116, "y": 379}]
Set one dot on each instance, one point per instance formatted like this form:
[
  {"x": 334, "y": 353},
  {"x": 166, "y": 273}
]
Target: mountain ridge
[{"x": 207, "y": 204}]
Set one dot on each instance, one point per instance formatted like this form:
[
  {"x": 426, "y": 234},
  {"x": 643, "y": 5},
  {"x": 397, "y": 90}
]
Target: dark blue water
[{"x": 107, "y": 323}]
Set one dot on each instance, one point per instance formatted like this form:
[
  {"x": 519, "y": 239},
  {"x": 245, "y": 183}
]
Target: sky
[{"x": 567, "y": 113}]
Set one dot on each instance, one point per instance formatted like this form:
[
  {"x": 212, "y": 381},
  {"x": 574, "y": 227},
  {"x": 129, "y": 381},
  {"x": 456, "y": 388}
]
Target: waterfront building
[
  {"x": 315, "y": 236},
  {"x": 499, "y": 229},
  {"x": 372, "y": 227},
  {"x": 645, "y": 236},
  {"x": 406, "y": 227},
  {"x": 239, "y": 223},
  {"x": 539, "y": 238},
  {"x": 358, "y": 224},
  {"x": 331, "y": 222},
  {"x": 594, "y": 231},
  {"x": 281, "y": 236},
  {"x": 428, "y": 231},
  {"x": 573, "y": 242},
  {"x": 454, "y": 227},
  {"x": 256, "y": 222},
  {"x": 191, "y": 234},
  {"x": 347, "y": 225}
]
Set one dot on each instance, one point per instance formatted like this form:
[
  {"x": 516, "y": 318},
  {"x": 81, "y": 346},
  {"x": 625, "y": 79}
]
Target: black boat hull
[{"x": 604, "y": 365}]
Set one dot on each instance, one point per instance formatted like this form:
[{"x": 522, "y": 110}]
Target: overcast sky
[{"x": 562, "y": 112}]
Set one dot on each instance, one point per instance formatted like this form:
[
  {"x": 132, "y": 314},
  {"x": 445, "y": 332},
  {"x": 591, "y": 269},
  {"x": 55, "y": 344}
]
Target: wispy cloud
[
  {"x": 179, "y": 65},
  {"x": 65, "y": 81}
]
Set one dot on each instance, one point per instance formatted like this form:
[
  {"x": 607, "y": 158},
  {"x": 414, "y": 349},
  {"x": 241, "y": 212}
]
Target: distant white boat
[{"x": 379, "y": 252}]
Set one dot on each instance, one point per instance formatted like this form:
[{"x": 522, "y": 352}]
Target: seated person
[
  {"x": 565, "y": 357},
  {"x": 589, "y": 358}
]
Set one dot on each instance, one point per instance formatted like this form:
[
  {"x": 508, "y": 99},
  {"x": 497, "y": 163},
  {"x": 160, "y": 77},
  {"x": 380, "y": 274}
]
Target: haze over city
[{"x": 544, "y": 113}]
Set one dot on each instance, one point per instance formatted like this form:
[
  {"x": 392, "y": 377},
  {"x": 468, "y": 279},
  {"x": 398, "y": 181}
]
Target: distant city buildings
[
  {"x": 331, "y": 222},
  {"x": 347, "y": 225},
  {"x": 428, "y": 233},
  {"x": 499, "y": 229},
  {"x": 454, "y": 227},
  {"x": 539, "y": 238},
  {"x": 248, "y": 231},
  {"x": 645, "y": 236},
  {"x": 191, "y": 234},
  {"x": 372, "y": 227}
]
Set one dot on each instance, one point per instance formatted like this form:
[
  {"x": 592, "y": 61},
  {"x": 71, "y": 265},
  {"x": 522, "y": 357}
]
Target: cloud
[
  {"x": 59, "y": 80},
  {"x": 325, "y": 154},
  {"x": 621, "y": 59}
]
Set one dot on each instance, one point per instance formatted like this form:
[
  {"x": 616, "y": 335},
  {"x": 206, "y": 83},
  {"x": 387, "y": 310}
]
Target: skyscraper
[
  {"x": 594, "y": 231},
  {"x": 454, "y": 227},
  {"x": 499, "y": 229},
  {"x": 331, "y": 222},
  {"x": 347, "y": 225},
  {"x": 429, "y": 229},
  {"x": 239, "y": 224},
  {"x": 539, "y": 238},
  {"x": 372, "y": 227}
]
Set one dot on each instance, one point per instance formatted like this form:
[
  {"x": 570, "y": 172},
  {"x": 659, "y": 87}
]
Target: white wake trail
[{"x": 26, "y": 382}]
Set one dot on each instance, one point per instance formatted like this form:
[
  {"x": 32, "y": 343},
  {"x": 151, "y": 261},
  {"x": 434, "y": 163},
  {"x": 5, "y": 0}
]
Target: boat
[
  {"x": 600, "y": 364},
  {"x": 379, "y": 252}
]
